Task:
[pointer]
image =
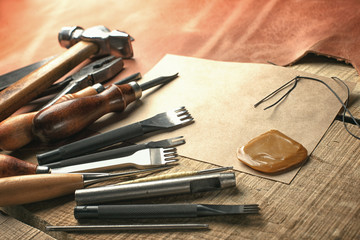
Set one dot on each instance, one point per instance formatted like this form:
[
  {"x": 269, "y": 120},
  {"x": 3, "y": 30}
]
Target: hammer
[{"x": 82, "y": 44}]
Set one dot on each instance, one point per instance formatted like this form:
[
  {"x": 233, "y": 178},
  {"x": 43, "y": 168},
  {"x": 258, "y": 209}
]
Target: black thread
[{"x": 298, "y": 78}]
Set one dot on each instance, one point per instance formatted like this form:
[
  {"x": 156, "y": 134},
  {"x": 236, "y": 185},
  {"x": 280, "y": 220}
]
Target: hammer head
[{"x": 115, "y": 42}]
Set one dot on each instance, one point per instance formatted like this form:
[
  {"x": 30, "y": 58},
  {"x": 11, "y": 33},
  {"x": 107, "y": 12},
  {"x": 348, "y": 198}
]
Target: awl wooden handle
[
  {"x": 16, "y": 131},
  {"x": 67, "y": 118},
  {"x": 27, "y": 88},
  {"x": 34, "y": 188}
]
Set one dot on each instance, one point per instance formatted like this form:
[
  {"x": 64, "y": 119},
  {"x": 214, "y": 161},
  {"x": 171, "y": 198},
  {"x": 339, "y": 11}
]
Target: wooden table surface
[{"x": 322, "y": 202}]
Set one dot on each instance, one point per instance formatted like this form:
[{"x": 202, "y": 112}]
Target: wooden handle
[
  {"x": 67, "y": 118},
  {"x": 16, "y": 131},
  {"x": 33, "y": 188},
  {"x": 89, "y": 91},
  {"x": 27, "y": 88},
  {"x": 10, "y": 166}
]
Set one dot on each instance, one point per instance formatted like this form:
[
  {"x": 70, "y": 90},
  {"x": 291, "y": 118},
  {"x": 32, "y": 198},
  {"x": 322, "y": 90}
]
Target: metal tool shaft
[
  {"x": 182, "y": 226},
  {"x": 192, "y": 184},
  {"x": 161, "y": 211}
]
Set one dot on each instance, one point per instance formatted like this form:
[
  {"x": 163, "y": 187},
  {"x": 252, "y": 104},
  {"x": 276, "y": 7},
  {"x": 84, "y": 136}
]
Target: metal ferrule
[
  {"x": 137, "y": 89},
  {"x": 42, "y": 169},
  {"x": 98, "y": 87},
  {"x": 183, "y": 185}
]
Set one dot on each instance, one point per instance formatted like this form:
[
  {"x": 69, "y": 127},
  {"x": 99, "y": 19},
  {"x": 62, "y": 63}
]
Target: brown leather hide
[{"x": 244, "y": 31}]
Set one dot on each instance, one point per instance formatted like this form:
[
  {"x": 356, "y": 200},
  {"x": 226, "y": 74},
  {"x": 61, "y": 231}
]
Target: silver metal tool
[
  {"x": 116, "y": 153},
  {"x": 141, "y": 159},
  {"x": 166, "y": 120},
  {"x": 98, "y": 71},
  {"x": 161, "y": 211},
  {"x": 191, "y": 184},
  {"x": 177, "y": 175},
  {"x": 179, "y": 226}
]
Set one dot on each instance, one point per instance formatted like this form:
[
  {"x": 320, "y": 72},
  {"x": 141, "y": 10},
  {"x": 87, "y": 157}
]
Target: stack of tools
[{"x": 68, "y": 169}]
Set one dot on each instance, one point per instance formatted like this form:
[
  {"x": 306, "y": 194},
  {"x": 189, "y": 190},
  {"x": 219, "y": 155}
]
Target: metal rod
[
  {"x": 152, "y": 83},
  {"x": 181, "y": 226}
]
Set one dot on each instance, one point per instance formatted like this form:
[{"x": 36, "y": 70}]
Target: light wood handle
[
  {"x": 33, "y": 188},
  {"x": 16, "y": 131},
  {"x": 27, "y": 88}
]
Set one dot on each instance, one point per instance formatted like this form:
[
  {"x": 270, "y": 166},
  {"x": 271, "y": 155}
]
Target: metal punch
[{"x": 159, "y": 188}]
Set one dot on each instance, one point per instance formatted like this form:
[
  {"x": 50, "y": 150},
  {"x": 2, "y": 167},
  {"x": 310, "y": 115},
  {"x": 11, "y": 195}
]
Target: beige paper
[{"x": 220, "y": 96}]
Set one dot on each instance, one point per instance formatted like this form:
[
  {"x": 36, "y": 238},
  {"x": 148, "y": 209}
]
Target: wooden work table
[{"x": 322, "y": 202}]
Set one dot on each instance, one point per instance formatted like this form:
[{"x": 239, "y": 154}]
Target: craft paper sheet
[{"x": 221, "y": 97}]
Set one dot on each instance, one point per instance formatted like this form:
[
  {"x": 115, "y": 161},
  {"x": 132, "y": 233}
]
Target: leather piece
[{"x": 244, "y": 31}]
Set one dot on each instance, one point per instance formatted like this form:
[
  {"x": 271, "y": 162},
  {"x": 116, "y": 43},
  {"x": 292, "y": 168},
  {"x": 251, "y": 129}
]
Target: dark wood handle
[
  {"x": 27, "y": 88},
  {"x": 33, "y": 188},
  {"x": 89, "y": 91},
  {"x": 10, "y": 166},
  {"x": 16, "y": 131},
  {"x": 67, "y": 118}
]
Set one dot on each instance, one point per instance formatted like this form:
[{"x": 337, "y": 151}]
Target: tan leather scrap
[{"x": 259, "y": 31}]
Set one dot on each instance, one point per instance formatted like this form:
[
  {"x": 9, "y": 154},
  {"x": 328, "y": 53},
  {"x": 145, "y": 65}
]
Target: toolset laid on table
[
  {"x": 80, "y": 99},
  {"x": 250, "y": 144}
]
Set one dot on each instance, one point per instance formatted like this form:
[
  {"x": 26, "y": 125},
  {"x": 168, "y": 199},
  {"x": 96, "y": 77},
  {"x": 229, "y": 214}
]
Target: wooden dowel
[{"x": 32, "y": 188}]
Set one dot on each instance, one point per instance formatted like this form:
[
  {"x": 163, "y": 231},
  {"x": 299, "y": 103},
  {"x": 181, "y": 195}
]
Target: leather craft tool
[
  {"x": 145, "y": 158},
  {"x": 161, "y": 211},
  {"x": 141, "y": 159},
  {"x": 67, "y": 118},
  {"x": 82, "y": 44},
  {"x": 146, "y": 227},
  {"x": 162, "y": 121},
  {"x": 118, "y": 152},
  {"x": 176, "y": 175},
  {"x": 16, "y": 131},
  {"x": 183, "y": 185},
  {"x": 32, "y": 188}
]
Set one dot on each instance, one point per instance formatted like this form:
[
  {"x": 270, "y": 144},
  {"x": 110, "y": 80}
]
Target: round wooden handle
[
  {"x": 33, "y": 188},
  {"x": 27, "y": 88},
  {"x": 16, "y": 131},
  {"x": 89, "y": 91},
  {"x": 67, "y": 118},
  {"x": 10, "y": 166}
]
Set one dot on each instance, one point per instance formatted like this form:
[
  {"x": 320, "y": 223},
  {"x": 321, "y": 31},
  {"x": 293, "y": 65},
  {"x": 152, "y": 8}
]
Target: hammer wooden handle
[
  {"x": 27, "y": 88},
  {"x": 33, "y": 188},
  {"x": 16, "y": 131},
  {"x": 67, "y": 118}
]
